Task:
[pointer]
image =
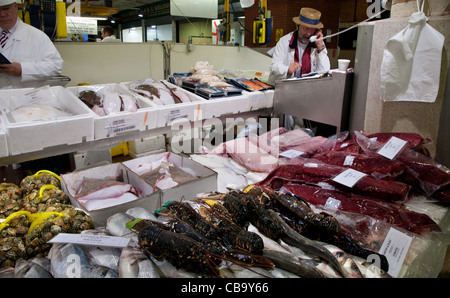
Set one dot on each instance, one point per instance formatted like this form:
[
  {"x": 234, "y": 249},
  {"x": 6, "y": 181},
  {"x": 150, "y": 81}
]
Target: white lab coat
[
  {"x": 37, "y": 55},
  {"x": 111, "y": 38},
  {"x": 284, "y": 55}
]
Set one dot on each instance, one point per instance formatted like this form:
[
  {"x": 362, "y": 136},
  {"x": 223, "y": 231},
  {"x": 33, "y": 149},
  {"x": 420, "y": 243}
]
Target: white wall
[
  {"x": 99, "y": 63},
  {"x": 132, "y": 34}
]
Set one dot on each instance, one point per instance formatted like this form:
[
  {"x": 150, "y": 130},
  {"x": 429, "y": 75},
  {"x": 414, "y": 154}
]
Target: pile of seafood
[
  {"x": 106, "y": 103},
  {"x": 34, "y": 213},
  {"x": 160, "y": 93},
  {"x": 252, "y": 233}
]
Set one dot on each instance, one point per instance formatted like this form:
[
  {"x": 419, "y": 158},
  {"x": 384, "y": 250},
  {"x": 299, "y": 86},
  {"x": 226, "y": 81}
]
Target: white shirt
[
  {"x": 34, "y": 50},
  {"x": 111, "y": 38},
  {"x": 284, "y": 55}
]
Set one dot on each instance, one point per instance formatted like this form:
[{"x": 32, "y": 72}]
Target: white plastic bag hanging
[{"x": 411, "y": 65}]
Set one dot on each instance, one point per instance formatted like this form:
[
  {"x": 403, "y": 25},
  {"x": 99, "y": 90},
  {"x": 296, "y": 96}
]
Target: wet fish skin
[
  {"x": 139, "y": 212},
  {"x": 111, "y": 103},
  {"x": 135, "y": 264},
  {"x": 116, "y": 226},
  {"x": 70, "y": 260},
  {"x": 347, "y": 263},
  {"x": 307, "y": 245},
  {"x": 129, "y": 103},
  {"x": 29, "y": 269},
  {"x": 293, "y": 264}
]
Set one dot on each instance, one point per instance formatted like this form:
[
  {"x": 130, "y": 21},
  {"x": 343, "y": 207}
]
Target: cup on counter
[{"x": 343, "y": 64}]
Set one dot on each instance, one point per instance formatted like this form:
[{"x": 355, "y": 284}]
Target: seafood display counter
[{"x": 84, "y": 129}]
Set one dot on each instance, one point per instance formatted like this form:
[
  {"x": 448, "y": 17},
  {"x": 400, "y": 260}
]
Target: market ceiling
[{"x": 120, "y": 5}]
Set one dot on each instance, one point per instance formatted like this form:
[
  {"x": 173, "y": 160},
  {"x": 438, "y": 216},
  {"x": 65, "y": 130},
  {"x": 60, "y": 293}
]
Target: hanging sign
[{"x": 79, "y": 25}]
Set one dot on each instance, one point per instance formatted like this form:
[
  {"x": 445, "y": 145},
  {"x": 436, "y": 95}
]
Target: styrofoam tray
[
  {"x": 167, "y": 114},
  {"x": 148, "y": 200},
  {"x": 207, "y": 178},
  {"x": 144, "y": 118},
  {"x": 30, "y": 136}
]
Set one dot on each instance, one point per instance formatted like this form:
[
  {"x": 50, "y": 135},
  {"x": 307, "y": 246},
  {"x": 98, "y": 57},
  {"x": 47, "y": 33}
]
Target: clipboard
[{"x": 3, "y": 59}]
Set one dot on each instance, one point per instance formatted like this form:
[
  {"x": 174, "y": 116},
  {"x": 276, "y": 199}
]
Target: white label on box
[
  {"x": 174, "y": 114},
  {"x": 33, "y": 96},
  {"x": 93, "y": 240},
  {"x": 349, "y": 177},
  {"x": 394, "y": 248},
  {"x": 291, "y": 153},
  {"x": 392, "y": 147},
  {"x": 114, "y": 127}
]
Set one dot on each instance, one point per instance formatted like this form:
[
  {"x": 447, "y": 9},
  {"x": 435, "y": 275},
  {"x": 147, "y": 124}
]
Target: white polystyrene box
[
  {"x": 144, "y": 118},
  {"x": 228, "y": 105},
  {"x": 260, "y": 99},
  {"x": 148, "y": 200},
  {"x": 31, "y": 136},
  {"x": 192, "y": 111}
]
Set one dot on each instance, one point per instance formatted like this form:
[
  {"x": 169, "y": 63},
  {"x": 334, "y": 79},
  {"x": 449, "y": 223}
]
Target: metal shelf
[{"x": 112, "y": 141}]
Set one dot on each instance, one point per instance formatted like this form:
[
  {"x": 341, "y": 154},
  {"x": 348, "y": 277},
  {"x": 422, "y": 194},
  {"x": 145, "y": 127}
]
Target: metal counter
[{"x": 325, "y": 100}]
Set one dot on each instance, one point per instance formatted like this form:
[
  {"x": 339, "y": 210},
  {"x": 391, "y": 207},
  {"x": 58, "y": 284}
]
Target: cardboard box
[
  {"x": 30, "y": 136},
  {"x": 147, "y": 144},
  {"x": 207, "y": 178},
  {"x": 148, "y": 200},
  {"x": 144, "y": 118}
]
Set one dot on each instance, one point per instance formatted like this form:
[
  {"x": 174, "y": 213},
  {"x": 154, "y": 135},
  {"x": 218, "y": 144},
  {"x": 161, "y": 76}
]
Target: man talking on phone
[
  {"x": 294, "y": 54},
  {"x": 33, "y": 57}
]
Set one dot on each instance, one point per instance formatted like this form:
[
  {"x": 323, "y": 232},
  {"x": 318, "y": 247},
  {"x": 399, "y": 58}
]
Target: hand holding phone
[
  {"x": 13, "y": 69},
  {"x": 318, "y": 40}
]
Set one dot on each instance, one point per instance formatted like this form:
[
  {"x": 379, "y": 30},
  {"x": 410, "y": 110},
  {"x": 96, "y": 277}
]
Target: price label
[
  {"x": 349, "y": 177},
  {"x": 291, "y": 153},
  {"x": 349, "y": 160},
  {"x": 394, "y": 248},
  {"x": 332, "y": 203},
  {"x": 93, "y": 240},
  {"x": 392, "y": 147}
]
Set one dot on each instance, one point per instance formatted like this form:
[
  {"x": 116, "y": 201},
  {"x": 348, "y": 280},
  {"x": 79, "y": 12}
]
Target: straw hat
[
  {"x": 6, "y": 2},
  {"x": 309, "y": 17}
]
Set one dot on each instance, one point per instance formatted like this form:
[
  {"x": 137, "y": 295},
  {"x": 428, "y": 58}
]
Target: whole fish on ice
[
  {"x": 70, "y": 260},
  {"x": 129, "y": 103},
  {"x": 135, "y": 264},
  {"x": 111, "y": 103}
]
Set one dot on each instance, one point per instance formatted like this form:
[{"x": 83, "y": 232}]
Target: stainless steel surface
[
  {"x": 361, "y": 79},
  {"x": 325, "y": 100}
]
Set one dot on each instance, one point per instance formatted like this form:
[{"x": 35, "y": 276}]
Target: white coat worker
[
  {"x": 294, "y": 55},
  {"x": 34, "y": 59}
]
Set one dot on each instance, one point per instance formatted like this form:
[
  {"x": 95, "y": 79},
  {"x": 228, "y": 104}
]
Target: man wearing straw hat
[
  {"x": 294, "y": 55},
  {"x": 33, "y": 57}
]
